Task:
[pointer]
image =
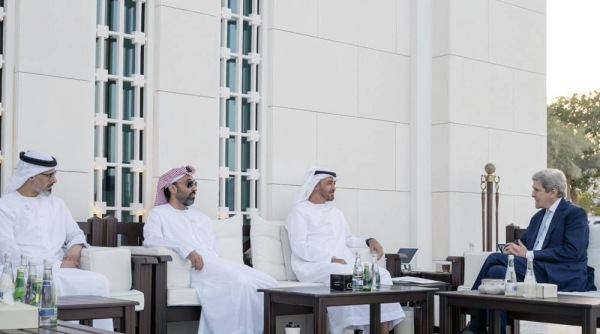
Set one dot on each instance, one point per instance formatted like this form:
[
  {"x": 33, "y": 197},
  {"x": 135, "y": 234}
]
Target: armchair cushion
[
  {"x": 287, "y": 254},
  {"x": 229, "y": 238},
  {"x": 267, "y": 253},
  {"x": 473, "y": 263},
  {"x": 114, "y": 263},
  {"x": 593, "y": 252}
]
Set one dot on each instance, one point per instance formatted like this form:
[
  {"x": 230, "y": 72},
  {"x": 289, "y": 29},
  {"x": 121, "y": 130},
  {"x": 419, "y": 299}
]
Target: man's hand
[
  {"x": 72, "y": 257},
  {"x": 336, "y": 260},
  {"x": 375, "y": 246},
  {"x": 517, "y": 249},
  {"x": 196, "y": 260}
]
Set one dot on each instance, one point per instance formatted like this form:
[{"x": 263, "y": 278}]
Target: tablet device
[{"x": 410, "y": 253}]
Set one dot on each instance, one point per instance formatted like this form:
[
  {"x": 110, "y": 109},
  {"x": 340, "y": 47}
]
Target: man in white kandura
[
  {"x": 230, "y": 302},
  {"x": 320, "y": 237},
  {"x": 35, "y": 223}
]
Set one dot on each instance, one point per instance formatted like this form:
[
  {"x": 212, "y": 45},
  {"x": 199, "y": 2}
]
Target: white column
[{"x": 420, "y": 130}]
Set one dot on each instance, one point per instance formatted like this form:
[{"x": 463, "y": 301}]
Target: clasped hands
[
  {"x": 517, "y": 249},
  {"x": 72, "y": 257},
  {"x": 196, "y": 260}
]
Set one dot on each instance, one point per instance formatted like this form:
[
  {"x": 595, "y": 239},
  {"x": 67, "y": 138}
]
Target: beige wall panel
[
  {"x": 48, "y": 107},
  {"x": 186, "y": 133},
  {"x": 440, "y": 104},
  {"x": 384, "y": 215},
  {"x": 383, "y": 86},
  {"x": 534, "y": 5},
  {"x": 75, "y": 189},
  {"x": 360, "y": 150},
  {"x": 56, "y": 38},
  {"x": 481, "y": 94},
  {"x": 469, "y": 29},
  {"x": 403, "y": 27},
  {"x": 359, "y": 23},
  {"x": 517, "y": 37},
  {"x": 402, "y": 157},
  {"x": 517, "y": 156},
  {"x": 441, "y": 28},
  {"x": 303, "y": 78},
  {"x": 187, "y": 52},
  {"x": 292, "y": 144},
  {"x": 300, "y": 17},
  {"x": 205, "y": 7},
  {"x": 530, "y": 103}
]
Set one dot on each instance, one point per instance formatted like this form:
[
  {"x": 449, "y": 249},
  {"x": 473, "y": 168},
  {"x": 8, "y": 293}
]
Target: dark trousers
[{"x": 495, "y": 267}]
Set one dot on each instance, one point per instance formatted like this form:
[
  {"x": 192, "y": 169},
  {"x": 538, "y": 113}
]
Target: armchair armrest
[
  {"x": 114, "y": 263},
  {"x": 457, "y": 268},
  {"x": 393, "y": 263}
]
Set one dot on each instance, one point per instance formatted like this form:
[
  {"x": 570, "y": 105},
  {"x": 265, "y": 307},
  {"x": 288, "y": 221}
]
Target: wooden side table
[{"x": 87, "y": 308}]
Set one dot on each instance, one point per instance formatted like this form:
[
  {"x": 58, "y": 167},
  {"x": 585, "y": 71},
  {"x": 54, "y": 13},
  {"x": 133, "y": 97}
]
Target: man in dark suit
[{"x": 557, "y": 239}]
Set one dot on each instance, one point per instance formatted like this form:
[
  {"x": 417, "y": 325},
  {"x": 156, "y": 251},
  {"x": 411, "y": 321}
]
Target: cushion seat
[{"x": 133, "y": 295}]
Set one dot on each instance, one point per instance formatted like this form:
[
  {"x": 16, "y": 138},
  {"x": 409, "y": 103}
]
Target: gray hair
[{"x": 552, "y": 179}]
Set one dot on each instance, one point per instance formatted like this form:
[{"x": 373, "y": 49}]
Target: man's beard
[
  {"x": 45, "y": 192},
  {"x": 188, "y": 201}
]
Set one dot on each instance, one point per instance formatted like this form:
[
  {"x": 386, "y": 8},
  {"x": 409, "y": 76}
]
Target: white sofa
[{"x": 271, "y": 254}]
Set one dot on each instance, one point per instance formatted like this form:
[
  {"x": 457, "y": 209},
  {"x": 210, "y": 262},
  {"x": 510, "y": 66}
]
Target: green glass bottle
[
  {"x": 19, "y": 294},
  {"x": 367, "y": 277},
  {"x": 36, "y": 292}
]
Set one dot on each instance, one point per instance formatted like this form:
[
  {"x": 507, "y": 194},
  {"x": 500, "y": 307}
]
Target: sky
[{"x": 572, "y": 47}]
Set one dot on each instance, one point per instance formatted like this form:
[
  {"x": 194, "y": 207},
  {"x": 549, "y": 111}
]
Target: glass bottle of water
[
  {"x": 30, "y": 280},
  {"x": 530, "y": 284},
  {"x": 510, "y": 280},
  {"x": 24, "y": 266},
  {"x": 48, "y": 298},
  {"x": 357, "y": 274},
  {"x": 376, "y": 284},
  {"x": 7, "y": 282}
]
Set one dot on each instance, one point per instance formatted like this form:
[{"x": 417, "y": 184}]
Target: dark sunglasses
[{"x": 190, "y": 183}]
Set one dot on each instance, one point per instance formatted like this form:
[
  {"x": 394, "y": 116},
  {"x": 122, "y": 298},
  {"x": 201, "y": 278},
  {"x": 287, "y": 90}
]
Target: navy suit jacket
[{"x": 564, "y": 252}]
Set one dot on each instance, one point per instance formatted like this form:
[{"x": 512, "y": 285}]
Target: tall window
[
  {"x": 239, "y": 101},
  {"x": 119, "y": 112}
]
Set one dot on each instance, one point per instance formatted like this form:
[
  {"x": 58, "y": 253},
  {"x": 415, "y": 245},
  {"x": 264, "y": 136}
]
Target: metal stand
[{"x": 487, "y": 207}]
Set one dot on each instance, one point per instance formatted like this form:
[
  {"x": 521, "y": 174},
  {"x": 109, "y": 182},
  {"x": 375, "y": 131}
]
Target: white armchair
[{"x": 116, "y": 265}]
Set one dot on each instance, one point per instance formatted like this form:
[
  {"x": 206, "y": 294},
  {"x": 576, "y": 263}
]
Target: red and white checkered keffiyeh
[{"x": 167, "y": 178}]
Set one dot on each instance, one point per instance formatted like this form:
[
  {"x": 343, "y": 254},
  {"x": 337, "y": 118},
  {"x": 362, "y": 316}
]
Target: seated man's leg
[
  {"x": 230, "y": 302},
  {"x": 76, "y": 282}
]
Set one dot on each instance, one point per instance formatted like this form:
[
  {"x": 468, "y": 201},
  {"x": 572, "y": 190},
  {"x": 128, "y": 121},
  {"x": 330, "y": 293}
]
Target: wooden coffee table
[
  {"x": 62, "y": 328},
  {"x": 564, "y": 309},
  {"x": 319, "y": 298},
  {"x": 87, "y": 308}
]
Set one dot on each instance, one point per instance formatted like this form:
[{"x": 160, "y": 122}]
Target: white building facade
[{"x": 406, "y": 100}]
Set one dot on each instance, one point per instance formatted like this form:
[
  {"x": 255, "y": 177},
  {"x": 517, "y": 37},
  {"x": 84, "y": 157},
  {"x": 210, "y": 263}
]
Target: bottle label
[{"x": 46, "y": 312}]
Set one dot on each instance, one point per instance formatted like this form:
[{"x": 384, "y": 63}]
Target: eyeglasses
[
  {"x": 49, "y": 175},
  {"x": 190, "y": 183}
]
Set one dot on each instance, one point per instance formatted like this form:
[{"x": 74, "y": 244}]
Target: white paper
[{"x": 418, "y": 280}]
